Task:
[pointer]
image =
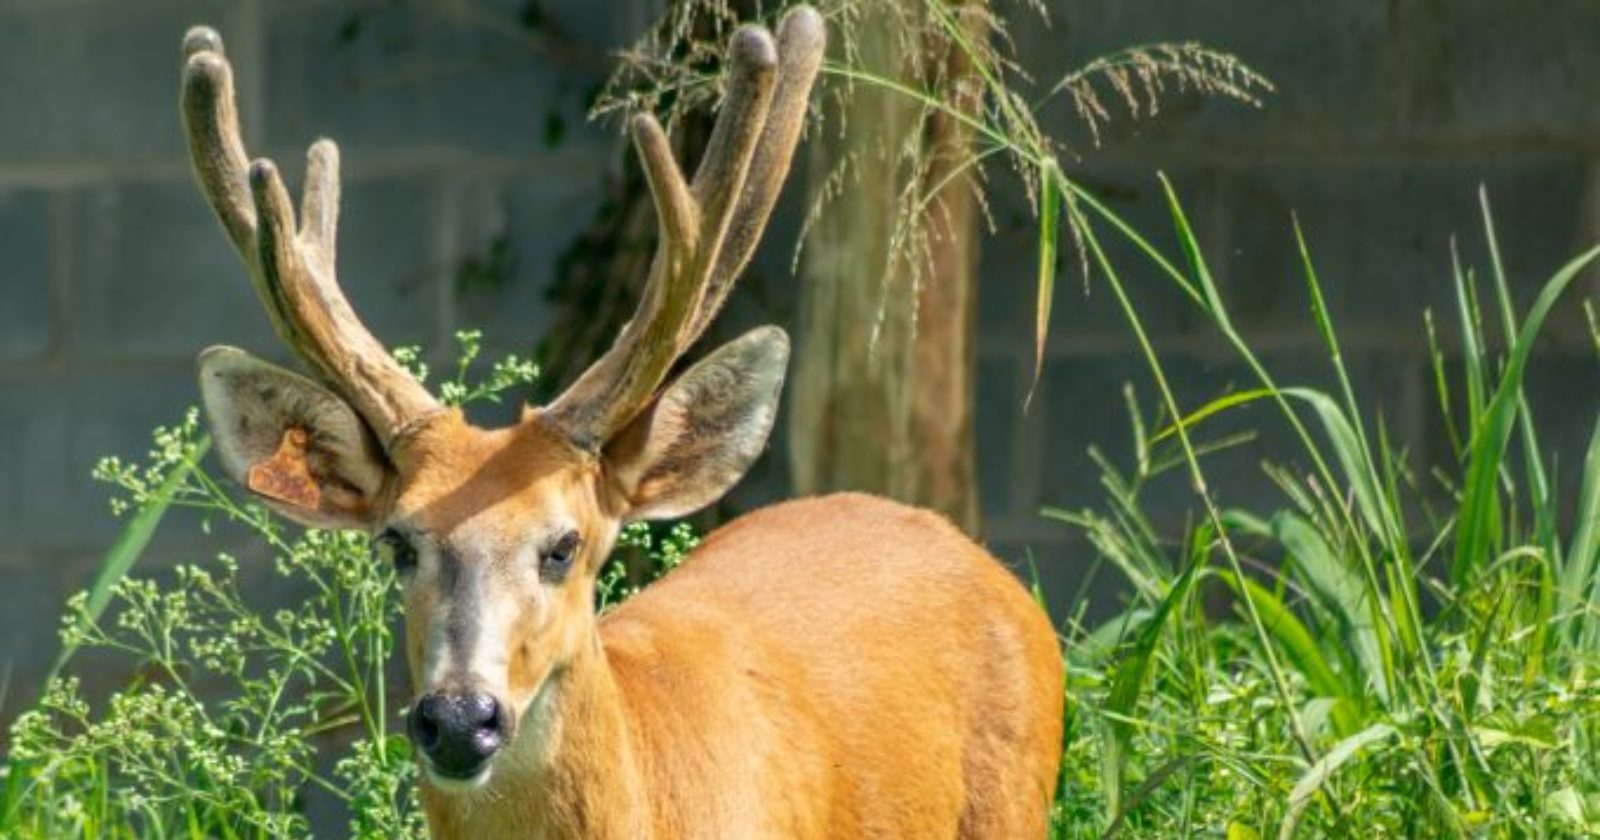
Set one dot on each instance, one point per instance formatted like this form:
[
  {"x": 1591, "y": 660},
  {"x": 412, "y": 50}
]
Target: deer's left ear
[
  {"x": 698, "y": 437},
  {"x": 296, "y": 445}
]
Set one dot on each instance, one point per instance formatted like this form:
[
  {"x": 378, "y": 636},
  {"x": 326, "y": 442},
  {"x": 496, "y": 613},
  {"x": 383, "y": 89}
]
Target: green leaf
[
  {"x": 1206, "y": 295},
  {"x": 129, "y": 546},
  {"x": 1340, "y": 588},
  {"x": 1490, "y": 738},
  {"x": 1240, "y": 831},
  {"x": 1578, "y": 578},
  {"x": 1476, "y": 523},
  {"x": 1216, "y": 406},
  {"x": 1298, "y": 643},
  {"x": 1049, "y": 234},
  {"x": 1353, "y": 459},
  {"x": 1573, "y": 809},
  {"x": 1127, "y": 683},
  {"x": 1324, "y": 768}
]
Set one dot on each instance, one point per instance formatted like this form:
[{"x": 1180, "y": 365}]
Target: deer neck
[{"x": 572, "y": 772}]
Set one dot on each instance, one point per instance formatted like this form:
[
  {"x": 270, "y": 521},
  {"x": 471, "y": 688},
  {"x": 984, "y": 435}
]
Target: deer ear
[
  {"x": 294, "y": 444},
  {"x": 698, "y": 437}
]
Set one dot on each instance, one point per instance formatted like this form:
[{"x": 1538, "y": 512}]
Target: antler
[
  {"x": 292, "y": 268},
  {"x": 708, "y": 230}
]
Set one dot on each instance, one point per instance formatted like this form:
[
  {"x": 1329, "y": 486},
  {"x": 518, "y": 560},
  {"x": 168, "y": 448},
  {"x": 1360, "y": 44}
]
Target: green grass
[{"x": 1411, "y": 658}]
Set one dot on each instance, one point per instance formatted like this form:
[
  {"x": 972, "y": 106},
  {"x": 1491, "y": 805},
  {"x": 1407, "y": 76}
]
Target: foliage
[
  {"x": 237, "y": 711},
  {"x": 1415, "y": 659}
]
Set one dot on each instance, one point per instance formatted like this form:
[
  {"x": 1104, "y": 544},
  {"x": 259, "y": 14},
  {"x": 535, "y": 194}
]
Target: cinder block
[
  {"x": 533, "y": 220},
  {"x": 1083, "y": 406},
  {"x": 388, "y": 258},
  {"x": 1510, "y": 74},
  {"x": 96, "y": 80},
  {"x": 417, "y": 77},
  {"x": 1085, "y": 311},
  {"x": 998, "y": 435},
  {"x": 575, "y": 23},
  {"x": 1069, "y": 573},
  {"x": 26, "y": 321},
  {"x": 361, "y": 89},
  {"x": 54, "y": 427},
  {"x": 155, "y": 276},
  {"x": 1380, "y": 236}
]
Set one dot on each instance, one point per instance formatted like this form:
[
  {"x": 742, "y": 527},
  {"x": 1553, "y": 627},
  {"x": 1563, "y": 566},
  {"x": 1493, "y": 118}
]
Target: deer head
[{"x": 499, "y": 533}]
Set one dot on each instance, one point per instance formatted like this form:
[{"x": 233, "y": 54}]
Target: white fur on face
[{"x": 480, "y": 598}]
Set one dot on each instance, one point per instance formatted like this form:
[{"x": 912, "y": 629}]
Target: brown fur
[{"x": 842, "y": 666}]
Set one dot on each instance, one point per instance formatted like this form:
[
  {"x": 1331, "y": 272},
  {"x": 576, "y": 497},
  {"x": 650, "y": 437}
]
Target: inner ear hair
[
  {"x": 291, "y": 441},
  {"x": 700, "y": 435}
]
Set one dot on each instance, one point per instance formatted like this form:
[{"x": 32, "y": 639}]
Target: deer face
[{"x": 498, "y": 534}]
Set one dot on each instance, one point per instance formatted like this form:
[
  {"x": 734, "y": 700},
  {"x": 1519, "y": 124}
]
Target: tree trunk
[{"x": 882, "y": 398}]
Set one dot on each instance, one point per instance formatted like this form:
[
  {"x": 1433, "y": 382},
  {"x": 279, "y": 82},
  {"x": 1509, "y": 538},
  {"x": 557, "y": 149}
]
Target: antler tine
[
  {"x": 211, "y": 119},
  {"x": 694, "y": 220},
  {"x": 292, "y": 268},
  {"x": 720, "y": 179},
  {"x": 801, "y": 41}
]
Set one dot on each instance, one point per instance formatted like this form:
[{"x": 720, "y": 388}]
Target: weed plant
[{"x": 239, "y": 709}]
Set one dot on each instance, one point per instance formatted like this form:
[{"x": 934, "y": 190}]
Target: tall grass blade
[
  {"x": 1216, "y": 406},
  {"x": 1049, "y": 234},
  {"x": 1209, "y": 297},
  {"x": 1341, "y": 589},
  {"x": 1544, "y": 512},
  {"x": 1390, "y": 531},
  {"x": 1353, "y": 458},
  {"x": 1477, "y": 523},
  {"x": 1128, "y": 681},
  {"x": 1472, "y": 342},
  {"x": 1441, "y": 382},
  {"x": 1594, "y": 325},
  {"x": 1300, "y": 645},
  {"x": 1580, "y": 583},
  {"x": 1324, "y": 768}
]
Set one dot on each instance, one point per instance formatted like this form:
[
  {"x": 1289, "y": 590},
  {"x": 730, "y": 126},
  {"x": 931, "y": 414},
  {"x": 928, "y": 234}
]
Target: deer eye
[
  {"x": 556, "y": 560},
  {"x": 391, "y": 547}
]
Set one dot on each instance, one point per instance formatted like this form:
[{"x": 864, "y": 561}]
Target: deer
[{"x": 839, "y": 666}]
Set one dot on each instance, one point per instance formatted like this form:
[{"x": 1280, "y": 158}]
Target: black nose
[{"x": 457, "y": 732}]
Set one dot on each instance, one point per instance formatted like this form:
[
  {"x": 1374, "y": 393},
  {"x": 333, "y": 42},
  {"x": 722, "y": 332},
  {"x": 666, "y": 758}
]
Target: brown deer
[{"x": 842, "y": 666}]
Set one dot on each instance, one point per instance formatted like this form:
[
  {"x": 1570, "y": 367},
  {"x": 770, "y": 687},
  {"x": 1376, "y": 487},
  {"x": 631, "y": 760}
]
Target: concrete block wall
[
  {"x": 113, "y": 273},
  {"x": 1387, "y": 119},
  {"x": 457, "y": 134}
]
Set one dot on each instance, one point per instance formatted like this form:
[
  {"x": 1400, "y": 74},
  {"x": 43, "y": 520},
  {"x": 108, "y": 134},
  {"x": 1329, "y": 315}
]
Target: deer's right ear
[{"x": 296, "y": 445}]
